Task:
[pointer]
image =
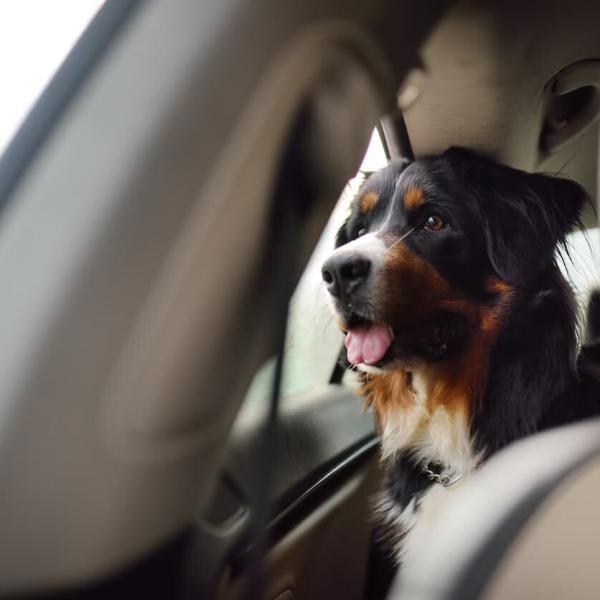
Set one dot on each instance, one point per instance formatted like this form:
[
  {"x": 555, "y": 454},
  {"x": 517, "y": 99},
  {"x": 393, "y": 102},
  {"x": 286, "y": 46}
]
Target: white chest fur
[{"x": 429, "y": 434}]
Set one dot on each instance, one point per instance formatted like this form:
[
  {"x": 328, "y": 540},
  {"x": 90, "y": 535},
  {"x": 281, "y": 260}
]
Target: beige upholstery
[
  {"x": 556, "y": 555},
  {"x": 475, "y": 530}
]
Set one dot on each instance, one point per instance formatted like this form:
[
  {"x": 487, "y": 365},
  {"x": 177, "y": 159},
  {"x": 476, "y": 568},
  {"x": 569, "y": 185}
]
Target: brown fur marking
[
  {"x": 368, "y": 201},
  {"x": 415, "y": 290},
  {"x": 413, "y": 198},
  {"x": 388, "y": 391}
]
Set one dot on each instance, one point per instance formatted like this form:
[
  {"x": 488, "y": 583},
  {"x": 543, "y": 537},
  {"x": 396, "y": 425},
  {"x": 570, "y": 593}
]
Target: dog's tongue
[{"x": 368, "y": 343}]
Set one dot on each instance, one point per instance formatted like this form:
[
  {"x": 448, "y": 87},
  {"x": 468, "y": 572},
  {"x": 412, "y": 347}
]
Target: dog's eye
[
  {"x": 434, "y": 223},
  {"x": 361, "y": 232}
]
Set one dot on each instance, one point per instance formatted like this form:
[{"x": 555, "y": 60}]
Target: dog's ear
[
  {"x": 562, "y": 199},
  {"x": 526, "y": 220}
]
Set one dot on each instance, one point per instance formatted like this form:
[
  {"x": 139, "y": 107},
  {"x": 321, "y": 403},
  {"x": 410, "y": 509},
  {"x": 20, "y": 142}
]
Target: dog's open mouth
[{"x": 368, "y": 342}]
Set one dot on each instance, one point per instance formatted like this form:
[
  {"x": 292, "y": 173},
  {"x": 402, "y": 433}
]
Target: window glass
[
  {"x": 35, "y": 38},
  {"x": 582, "y": 267},
  {"x": 313, "y": 339}
]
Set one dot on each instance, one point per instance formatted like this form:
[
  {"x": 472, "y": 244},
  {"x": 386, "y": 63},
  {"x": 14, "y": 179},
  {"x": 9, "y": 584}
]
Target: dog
[{"x": 457, "y": 319}]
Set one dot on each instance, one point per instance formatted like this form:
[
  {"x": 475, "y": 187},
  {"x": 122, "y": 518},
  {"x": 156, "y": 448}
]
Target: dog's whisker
[{"x": 401, "y": 238}]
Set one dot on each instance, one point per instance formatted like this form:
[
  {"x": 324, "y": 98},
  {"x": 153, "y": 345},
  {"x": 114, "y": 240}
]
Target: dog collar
[{"x": 443, "y": 479}]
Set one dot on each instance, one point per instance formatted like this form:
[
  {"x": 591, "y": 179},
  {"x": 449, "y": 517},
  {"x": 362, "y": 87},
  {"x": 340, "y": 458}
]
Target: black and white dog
[{"x": 458, "y": 319}]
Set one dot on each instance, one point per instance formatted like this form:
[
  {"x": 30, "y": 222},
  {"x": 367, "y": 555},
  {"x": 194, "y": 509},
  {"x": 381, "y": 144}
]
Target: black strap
[{"x": 395, "y": 135}]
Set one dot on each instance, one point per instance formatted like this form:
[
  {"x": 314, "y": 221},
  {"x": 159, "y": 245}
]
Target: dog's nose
[{"x": 342, "y": 274}]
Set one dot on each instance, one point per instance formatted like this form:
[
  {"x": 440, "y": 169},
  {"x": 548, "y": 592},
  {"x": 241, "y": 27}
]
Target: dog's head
[{"x": 428, "y": 244}]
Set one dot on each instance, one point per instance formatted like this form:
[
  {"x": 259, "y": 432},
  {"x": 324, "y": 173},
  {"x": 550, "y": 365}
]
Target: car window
[
  {"x": 313, "y": 339},
  {"x": 581, "y": 265},
  {"x": 35, "y": 38}
]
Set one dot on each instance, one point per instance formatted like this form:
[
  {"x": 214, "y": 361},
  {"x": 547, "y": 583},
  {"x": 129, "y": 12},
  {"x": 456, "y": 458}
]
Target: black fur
[
  {"x": 405, "y": 481},
  {"x": 532, "y": 381}
]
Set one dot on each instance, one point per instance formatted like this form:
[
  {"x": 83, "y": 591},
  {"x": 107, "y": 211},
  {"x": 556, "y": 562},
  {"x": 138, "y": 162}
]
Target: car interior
[{"x": 174, "y": 421}]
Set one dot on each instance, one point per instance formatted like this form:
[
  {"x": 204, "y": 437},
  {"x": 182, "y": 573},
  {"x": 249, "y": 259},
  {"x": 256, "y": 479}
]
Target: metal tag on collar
[{"x": 444, "y": 480}]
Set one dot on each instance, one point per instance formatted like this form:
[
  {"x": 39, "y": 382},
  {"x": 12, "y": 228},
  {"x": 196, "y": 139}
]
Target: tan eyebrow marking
[
  {"x": 414, "y": 197},
  {"x": 368, "y": 201}
]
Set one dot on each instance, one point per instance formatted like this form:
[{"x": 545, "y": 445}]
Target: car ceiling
[{"x": 482, "y": 83}]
